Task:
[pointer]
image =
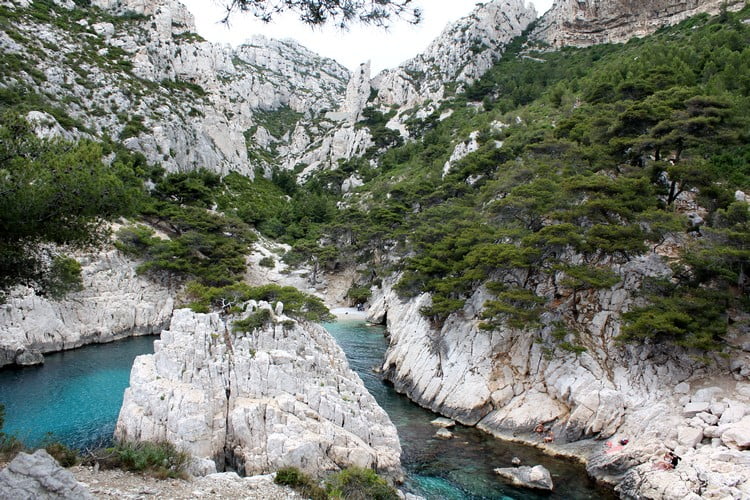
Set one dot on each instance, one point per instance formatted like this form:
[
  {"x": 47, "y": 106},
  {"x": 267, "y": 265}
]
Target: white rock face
[
  {"x": 282, "y": 395},
  {"x": 357, "y": 93},
  {"x": 114, "y": 303},
  {"x": 463, "y": 52},
  {"x": 581, "y": 23},
  {"x": 507, "y": 381},
  {"x": 39, "y": 476},
  {"x": 157, "y": 86},
  {"x": 461, "y": 150}
]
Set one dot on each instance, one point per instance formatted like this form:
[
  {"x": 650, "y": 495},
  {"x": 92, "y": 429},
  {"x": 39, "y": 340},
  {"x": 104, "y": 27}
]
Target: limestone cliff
[
  {"x": 507, "y": 381},
  {"x": 581, "y": 23},
  {"x": 114, "y": 303},
  {"x": 463, "y": 52},
  {"x": 281, "y": 395},
  {"x": 136, "y": 71}
]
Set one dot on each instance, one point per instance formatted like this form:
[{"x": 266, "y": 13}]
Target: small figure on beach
[
  {"x": 539, "y": 429},
  {"x": 550, "y": 437}
]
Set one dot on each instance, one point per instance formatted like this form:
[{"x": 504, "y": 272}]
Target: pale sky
[{"x": 385, "y": 49}]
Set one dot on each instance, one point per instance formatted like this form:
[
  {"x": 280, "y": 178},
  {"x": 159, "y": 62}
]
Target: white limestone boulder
[{"x": 282, "y": 395}]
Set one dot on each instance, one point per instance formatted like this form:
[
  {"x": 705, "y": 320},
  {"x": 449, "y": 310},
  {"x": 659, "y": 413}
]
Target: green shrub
[
  {"x": 64, "y": 455},
  {"x": 252, "y": 322},
  {"x": 359, "y": 294},
  {"x": 296, "y": 304},
  {"x": 298, "y": 480},
  {"x": 161, "y": 460},
  {"x": 267, "y": 262},
  {"x": 63, "y": 277},
  {"x": 9, "y": 445},
  {"x": 356, "y": 483}
]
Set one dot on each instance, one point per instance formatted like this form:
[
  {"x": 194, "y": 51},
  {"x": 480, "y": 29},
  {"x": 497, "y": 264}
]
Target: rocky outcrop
[
  {"x": 281, "y": 395},
  {"x": 581, "y": 23},
  {"x": 39, "y": 476},
  {"x": 115, "y": 303},
  {"x": 147, "y": 79},
  {"x": 508, "y": 381},
  {"x": 462, "y": 53}
]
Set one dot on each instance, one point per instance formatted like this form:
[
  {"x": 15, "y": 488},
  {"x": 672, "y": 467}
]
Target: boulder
[
  {"x": 26, "y": 357},
  {"x": 717, "y": 408},
  {"x": 682, "y": 388},
  {"x": 39, "y": 476},
  {"x": 444, "y": 434},
  {"x": 443, "y": 422},
  {"x": 537, "y": 477},
  {"x": 708, "y": 418},
  {"x": 733, "y": 413},
  {"x": 280, "y": 395},
  {"x": 693, "y": 408},
  {"x": 689, "y": 436},
  {"x": 706, "y": 394},
  {"x": 737, "y": 435}
]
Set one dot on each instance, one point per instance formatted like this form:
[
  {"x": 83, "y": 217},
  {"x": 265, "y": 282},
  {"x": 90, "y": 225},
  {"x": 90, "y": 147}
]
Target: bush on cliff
[{"x": 54, "y": 194}]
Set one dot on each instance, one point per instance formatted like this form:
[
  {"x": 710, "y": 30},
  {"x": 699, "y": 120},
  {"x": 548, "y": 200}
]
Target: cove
[
  {"x": 75, "y": 395},
  {"x": 460, "y": 468}
]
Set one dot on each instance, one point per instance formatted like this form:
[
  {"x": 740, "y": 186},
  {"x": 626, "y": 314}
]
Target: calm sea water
[
  {"x": 460, "y": 468},
  {"x": 76, "y": 395}
]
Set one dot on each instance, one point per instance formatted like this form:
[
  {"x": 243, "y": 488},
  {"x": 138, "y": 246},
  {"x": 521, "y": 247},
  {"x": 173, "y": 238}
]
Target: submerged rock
[
  {"x": 281, "y": 395},
  {"x": 444, "y": 434},
  {"x": 443, "y": 422},
  {"x": 39, "y": 476},
  {"x": 537, "y": 477}
]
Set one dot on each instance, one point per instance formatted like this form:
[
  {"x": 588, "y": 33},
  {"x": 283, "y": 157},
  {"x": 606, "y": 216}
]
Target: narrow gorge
[{"x": 547, "y": 214}]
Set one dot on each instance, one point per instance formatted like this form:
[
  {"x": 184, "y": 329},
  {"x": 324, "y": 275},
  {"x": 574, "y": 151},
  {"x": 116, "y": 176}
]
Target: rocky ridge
[
  {"x": 280, "y": 395},
  {"x": 136, "y": 70},
  {"x": 581, "y": 23},
  {"x": 507, "y": 382},
  {"x": 115, "y": 302},
  {"x": 462, "y": 53}
]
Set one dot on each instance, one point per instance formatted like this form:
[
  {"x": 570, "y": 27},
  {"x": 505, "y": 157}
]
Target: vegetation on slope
[
  {"x": 587, "y": 159},
  {"x": 54, "y": 194}
]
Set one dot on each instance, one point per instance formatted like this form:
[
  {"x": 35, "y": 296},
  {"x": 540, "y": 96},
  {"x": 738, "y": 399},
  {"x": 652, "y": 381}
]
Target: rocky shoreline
[
  {"x": 115, "y": 303},
  {"x": 38, "y": 475},
  {"x": 657, "y": 400}
]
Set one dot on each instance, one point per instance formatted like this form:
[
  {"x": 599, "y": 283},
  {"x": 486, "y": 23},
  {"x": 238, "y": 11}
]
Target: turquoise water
[
  {"x": 76, "y": 395},
  {"x": 460, "y": 468}
]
